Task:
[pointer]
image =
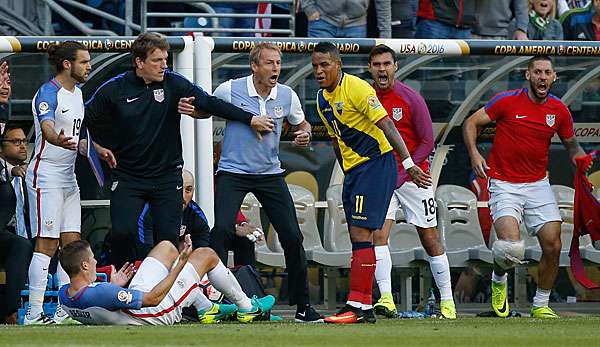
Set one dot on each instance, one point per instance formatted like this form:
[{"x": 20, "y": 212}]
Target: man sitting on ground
[{"x": 165, "y": 283}]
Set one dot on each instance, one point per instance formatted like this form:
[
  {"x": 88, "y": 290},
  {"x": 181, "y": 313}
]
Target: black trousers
[
  {"x": 243, "y": 249},
  {"x": 15, "y": 255},
  {"x": 127, "y": 199},
  {"x": 273, "y": 194}
]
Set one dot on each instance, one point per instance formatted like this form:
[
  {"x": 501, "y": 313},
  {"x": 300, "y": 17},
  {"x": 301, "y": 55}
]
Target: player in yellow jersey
[{"x": 363, "y": 138}]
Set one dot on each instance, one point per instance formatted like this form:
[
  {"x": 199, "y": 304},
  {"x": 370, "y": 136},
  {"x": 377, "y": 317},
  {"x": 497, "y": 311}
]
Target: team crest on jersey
[
  {"x": 124, "y": 296},
  {"x": 278, "y": 111},
  {"x": 43, "y": 107},
  {"x": 339, "y": 106},
  {"x": 397, "y": 113},
  {"x": 159, "y": 95},
  {"x": 550, "y": 119},
  {"x": 182, "y": 230},
  {"x": 374, "y": 102},
  {"x": 181, "y": 283}
]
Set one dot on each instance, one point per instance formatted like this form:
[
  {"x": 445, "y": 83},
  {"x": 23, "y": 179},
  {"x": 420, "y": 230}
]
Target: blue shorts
[{"x": 368, "y": 189}]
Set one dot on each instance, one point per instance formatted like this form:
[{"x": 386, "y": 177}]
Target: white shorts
[
  {"x": 417, "y": 204},
  {"x": 182, "y": 294},
  {"x": 53, "y": 211},
  {"x": 532, "y": 203}
]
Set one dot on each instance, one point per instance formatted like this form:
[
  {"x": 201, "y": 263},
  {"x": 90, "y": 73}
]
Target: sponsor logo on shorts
[
  {"x": 49, "y": 223},
  {"x": 550, "y": 119},
  {"x": 124, "y": 296},
  {"x": 359, "y": 217},
  {"x": 430, "y": 219},
  {"x": 159, "y": 95}
]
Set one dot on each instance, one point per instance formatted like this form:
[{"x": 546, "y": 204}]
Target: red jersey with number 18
[{"x": 524, "y": 130}]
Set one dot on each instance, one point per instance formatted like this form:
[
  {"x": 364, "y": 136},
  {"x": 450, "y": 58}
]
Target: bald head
[{"x": 188, "y": 187}]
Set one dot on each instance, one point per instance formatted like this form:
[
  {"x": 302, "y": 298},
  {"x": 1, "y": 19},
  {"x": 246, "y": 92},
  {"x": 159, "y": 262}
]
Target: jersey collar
[{"x": 252, "y": 91}]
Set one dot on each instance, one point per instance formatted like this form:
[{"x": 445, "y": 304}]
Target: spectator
[
  {"x": 404, "y": 18},
  {"x": 237, "y": 23},
  {"x": 14, "y": 154},
  {"x": 582, "y": 24},
  {"x": 566, "y": 5},
  {"x": 445, "y": 19},
  {"x": 12, "y": 247},
  {"x": 4, "y": 95},
  {"x": 494, "y": 17},
  {"x": 543, "y": 24},
  {"x": 345, "y": 18}
]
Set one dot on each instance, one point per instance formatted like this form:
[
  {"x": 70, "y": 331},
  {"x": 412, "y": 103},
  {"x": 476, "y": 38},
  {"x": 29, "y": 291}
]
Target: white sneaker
[
  {"x": 62, "y": 317},
  {"x": 40, "y": 319}
]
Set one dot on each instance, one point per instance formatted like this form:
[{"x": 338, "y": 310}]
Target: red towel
[{"x": 586, "y": 218}]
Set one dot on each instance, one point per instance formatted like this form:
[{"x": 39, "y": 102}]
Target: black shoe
[
  {"x": 308, "y": 315},
  {"x": 369, "y": 316}
]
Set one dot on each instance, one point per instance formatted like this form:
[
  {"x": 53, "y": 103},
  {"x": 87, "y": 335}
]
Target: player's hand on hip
[
  {"x": 479, "y": 165},
  {"x": 66, "y": 142},
  {"x": 419, "y": 177},
  {"x": 301, "y": 138},
  {"x": 186, "y": 251},
  {"x": 123, "y": 276},
  {"x": 262, "y": 125}
]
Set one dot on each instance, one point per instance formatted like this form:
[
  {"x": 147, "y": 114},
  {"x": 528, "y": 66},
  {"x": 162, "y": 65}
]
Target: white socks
[
  {"x": 383, "y": 269},
  {"x": 541, "y": 298},
  {"x": 63, "y": 278},
  {"x": 225, "y": 282},
  {"x": 499, "y": 279},
  {"x": 202, "y": 303},
  {"x": 441, "y": 274},
  {"x": 38, "y": 280}
]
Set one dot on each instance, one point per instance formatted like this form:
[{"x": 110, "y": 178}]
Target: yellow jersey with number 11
[{"x": 349, "y": 114}]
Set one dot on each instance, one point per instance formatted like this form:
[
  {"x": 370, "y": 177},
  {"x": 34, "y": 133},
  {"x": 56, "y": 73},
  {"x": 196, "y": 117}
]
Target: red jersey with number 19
[{"x": 524, "y": 131}]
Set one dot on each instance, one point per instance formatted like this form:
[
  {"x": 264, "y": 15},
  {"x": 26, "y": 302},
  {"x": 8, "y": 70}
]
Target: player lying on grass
[{"x": 165, "y": 283}]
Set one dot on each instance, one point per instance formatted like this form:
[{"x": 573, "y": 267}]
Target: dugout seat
[
  {"x": 336, "y": 239},
  {"x": 304, "y": 179},
  {"x": 404, "y": 243},
  {"x": 565, "y": 197},
  {"x": 270, "y": 252},
  {"x": 459, "y": 227}
]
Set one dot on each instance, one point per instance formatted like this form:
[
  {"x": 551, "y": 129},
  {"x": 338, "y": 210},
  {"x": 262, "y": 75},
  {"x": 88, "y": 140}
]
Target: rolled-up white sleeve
[
  {"x": 296, "y": 115},
  {"x": 223, "y": 91}
]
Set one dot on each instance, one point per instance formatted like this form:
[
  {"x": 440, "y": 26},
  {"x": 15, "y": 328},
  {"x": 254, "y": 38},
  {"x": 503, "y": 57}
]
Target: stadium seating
[
  {"x": 336, "y": 239},
  {"x": 459, "y": 228},
  {"x": 304, "y": 179},
  {"x": 404, "y": 243}
]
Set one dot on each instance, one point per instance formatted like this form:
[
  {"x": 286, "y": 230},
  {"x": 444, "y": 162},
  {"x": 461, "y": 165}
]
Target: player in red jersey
[
  {"x": 410, "y": 115},
  {"x": 526, "y": 120}
]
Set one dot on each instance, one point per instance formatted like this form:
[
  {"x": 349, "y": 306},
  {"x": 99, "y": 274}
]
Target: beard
[{"x": 79, "y": 78}]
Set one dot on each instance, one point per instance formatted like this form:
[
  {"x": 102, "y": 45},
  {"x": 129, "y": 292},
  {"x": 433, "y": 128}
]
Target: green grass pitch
[{"x": 572, "y": 331}]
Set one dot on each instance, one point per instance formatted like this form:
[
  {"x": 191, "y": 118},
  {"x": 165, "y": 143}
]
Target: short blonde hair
[
  {"x": 552, "y": 13},
  {"x": 255, "y": 52}
]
